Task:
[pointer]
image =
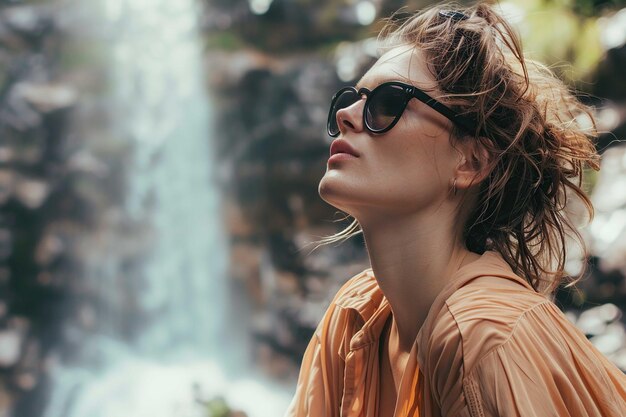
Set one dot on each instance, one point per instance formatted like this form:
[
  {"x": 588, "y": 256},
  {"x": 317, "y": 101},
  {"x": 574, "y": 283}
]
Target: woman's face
[{"x": 405, "y": 170}]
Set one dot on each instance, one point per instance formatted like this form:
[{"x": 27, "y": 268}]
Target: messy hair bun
[{"x": 538, "y": 136}]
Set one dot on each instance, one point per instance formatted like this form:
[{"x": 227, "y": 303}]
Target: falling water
[{"x": 169, "y": 259}]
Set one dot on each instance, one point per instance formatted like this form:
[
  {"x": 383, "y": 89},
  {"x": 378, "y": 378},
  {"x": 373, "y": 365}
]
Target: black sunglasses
[{"x": 385, "y": 104}]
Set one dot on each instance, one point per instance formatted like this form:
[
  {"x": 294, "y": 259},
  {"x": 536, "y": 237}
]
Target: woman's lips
[
  {"x": 341, "y": 146},
  {"x": 340, "y": 157}
]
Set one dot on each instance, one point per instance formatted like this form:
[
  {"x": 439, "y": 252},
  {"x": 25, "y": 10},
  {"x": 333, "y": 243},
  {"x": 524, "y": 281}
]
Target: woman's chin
[
  {"x": 330, "y": 188},
  {"x": 334, "y": 193},
  {"x": 326, "y": 191}
]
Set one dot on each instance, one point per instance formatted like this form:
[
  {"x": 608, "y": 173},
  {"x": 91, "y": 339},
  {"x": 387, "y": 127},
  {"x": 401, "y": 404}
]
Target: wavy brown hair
[{"x": 538, "y": 136}]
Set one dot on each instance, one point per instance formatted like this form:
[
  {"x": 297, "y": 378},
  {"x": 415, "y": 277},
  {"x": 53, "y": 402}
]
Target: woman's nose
[{"x": 351, "y": 117}]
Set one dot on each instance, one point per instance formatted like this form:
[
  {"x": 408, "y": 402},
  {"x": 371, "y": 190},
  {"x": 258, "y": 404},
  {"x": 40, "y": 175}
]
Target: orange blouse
[{"x": 490, "y": 346}]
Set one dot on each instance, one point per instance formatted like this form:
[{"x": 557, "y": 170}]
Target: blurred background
[{"x": 159, "y": 163}]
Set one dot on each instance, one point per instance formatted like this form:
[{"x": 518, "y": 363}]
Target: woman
[{"x": 455, "y": 155}]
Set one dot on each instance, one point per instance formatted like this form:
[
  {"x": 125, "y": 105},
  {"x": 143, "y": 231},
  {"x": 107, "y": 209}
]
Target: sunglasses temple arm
[{"x": 454, "y": 117}]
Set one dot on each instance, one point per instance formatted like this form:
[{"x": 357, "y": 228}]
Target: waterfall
[{"x": 159, "y": 261}]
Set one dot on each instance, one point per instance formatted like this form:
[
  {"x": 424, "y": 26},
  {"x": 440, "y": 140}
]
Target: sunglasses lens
[
  {"x": 385, "y": 105},
  {"x": 344, "y": 99}
]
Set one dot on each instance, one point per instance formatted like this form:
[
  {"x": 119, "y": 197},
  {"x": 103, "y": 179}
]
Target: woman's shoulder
[
  {"x": 495, "y": 315},
  {"x": 546, "y": 364},
  {"x": 496, "y": 331},
  {"x": 505, "y": 295},
  {"x": 487, "y": 310}
]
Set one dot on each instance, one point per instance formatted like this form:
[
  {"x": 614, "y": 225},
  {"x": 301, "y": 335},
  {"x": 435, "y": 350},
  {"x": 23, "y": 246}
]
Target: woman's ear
[{"x": 473, "y": 164}]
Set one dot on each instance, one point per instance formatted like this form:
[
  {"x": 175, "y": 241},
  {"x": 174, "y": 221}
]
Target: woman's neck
[{"x": 412, "y": 260}]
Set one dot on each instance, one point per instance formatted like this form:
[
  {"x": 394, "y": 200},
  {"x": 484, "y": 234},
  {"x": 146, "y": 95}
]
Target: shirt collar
[{"x": 367, "y": 299}]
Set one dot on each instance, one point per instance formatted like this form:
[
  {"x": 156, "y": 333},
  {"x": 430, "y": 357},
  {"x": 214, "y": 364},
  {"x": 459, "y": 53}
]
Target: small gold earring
[{"x": 454, "y": 187}]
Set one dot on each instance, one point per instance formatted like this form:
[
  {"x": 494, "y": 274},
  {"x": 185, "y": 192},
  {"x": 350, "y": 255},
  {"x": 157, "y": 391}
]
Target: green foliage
[
  {"x": 555, "y": 34},
  {"x": 225, "y": 40},
  {"x": 592, "y": 7},
  {"x": 216, "y": 407}
]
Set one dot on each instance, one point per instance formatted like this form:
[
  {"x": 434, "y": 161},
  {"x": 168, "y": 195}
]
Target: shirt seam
[{"x": 473, "y": 403}]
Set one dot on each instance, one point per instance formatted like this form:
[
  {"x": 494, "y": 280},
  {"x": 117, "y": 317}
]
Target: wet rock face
[
  {"x": 272, "y": 144},
  {"x": 33, "y": 200},
  {"x": 27, "y": 22}
]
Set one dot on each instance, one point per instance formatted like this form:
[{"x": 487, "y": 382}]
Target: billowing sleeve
[
  {"x": 320, "y": 382},
  {"x": 309, "y": 398},
  {"x": 545, "y": 368}
]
